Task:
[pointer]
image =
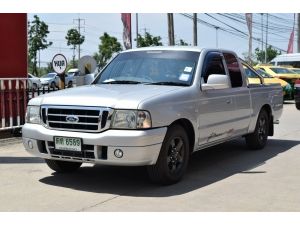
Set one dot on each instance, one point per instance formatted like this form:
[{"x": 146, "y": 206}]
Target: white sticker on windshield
[
  {"x": 184, "y": 77},
  {"x": 188, "y": 69}
]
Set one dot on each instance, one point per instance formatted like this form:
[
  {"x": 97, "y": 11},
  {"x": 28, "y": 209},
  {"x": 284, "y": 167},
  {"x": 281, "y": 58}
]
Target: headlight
[
  {"x": 131, "y": 119},
  {"x": 33, "y": 114}
]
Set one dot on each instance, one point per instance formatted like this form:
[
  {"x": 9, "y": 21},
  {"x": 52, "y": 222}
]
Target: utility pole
[
  {"x": 171, "y": 29},
  {"x": 79, "y": 20},
  {"x": 298, "y": 33},
  {"x": 266, "y": 56},
  {"x": 137, "y": 29},
  {"x": 217, "y": 37},
  {"x": 195, "y": 29},
  {"x": 262, "y": 32}
]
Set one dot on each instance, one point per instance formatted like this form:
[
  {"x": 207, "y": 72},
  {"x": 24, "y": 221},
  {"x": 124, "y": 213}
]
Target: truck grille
[{"x": 72, "y": 118}]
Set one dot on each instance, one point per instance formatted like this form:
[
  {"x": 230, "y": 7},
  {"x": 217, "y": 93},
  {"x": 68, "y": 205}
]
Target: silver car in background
[{"x": 33, "y": 82}]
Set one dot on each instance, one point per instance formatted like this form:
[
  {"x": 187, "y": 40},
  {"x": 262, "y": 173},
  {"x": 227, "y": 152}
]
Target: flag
[
  {"x": 291, "y": 43},
  {"x": 126, "y": 19}
]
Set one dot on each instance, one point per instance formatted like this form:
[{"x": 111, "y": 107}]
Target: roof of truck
[{"x": 174, "y": 48}]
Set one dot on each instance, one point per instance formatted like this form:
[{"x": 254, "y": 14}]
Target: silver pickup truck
[{"x": 152, "y": 107}]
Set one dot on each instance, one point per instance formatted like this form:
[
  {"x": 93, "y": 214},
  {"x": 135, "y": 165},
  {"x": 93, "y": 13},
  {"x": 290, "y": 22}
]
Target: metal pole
[
  {"x": 266, "y": 55},
  {"x": 217, "y": 38},
  {"x": 195, "y": 29},
  {"x": 298, "y": 36},
  {"x": 39, "y": 60},
  {"x": 171, "y": 29},
  {"x": 262, "y": 32},
  {"x": 79, "y": 36},
  {"x": 137, "y": 29}
]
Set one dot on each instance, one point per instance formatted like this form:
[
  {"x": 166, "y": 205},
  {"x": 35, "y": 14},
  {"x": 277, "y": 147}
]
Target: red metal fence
[{"x": 14, "y": 96}]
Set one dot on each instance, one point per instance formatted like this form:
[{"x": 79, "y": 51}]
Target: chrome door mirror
[{"x": 216, "y": 81}]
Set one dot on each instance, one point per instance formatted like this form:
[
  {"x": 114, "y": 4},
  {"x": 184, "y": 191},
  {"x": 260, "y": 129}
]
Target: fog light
[
  {"x": 30, "y": 144},
  {"x": 118, "y": 153}
]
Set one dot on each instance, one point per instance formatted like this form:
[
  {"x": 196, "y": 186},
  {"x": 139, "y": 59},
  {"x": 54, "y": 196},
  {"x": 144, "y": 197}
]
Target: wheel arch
[{"x": 189, "y": 128}]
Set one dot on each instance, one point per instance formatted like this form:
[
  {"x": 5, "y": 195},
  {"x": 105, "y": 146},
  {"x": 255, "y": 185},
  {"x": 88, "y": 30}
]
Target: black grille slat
[{"x": 91, "y": 119}]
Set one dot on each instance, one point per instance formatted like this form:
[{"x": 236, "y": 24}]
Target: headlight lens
[
  {"x": 33, "y": 114},
  {"x": 131, "y": 119}
]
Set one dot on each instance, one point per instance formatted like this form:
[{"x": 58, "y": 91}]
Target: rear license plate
[{"x": 67, "y": 144}]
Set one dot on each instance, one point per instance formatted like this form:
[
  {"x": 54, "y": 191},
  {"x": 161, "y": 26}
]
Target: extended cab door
[
  {"x": 216, "y": 107},
  {"x": 241, "y": 93}
]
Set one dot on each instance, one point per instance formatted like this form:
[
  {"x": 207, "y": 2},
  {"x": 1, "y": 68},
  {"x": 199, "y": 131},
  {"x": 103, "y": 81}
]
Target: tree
[
  {"x": 107, "y": 47},
  {"x": 75, "y": 39},
  {"x": 149, "y": 40},
  {"x": 37, "y": 34},
  {"x": 182, "y": 43},
  {"x": 271, "y": 54}
]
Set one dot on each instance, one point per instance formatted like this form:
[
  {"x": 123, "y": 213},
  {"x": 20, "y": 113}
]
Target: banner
[
  {"x": 291, "y": 40},
  {"x": 291, "y": 43},
  {"x": 126, "y": 19}
]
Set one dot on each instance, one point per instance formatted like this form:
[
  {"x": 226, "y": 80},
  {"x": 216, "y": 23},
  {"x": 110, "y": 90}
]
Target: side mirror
[{"x": 216, "y": 81}]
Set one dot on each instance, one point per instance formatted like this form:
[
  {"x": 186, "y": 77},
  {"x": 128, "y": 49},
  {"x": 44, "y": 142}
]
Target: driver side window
[{"x": 213, "y": 64}]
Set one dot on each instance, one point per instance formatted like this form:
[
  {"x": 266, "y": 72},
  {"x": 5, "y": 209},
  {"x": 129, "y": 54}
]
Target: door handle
[{"x": 228, "y": 101}]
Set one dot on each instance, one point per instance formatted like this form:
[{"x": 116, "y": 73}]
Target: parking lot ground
[{"x": 227, "y": 177}]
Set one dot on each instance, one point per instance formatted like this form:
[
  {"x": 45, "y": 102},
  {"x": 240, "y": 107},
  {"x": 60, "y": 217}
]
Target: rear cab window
[{"x": 234, "y": 70}]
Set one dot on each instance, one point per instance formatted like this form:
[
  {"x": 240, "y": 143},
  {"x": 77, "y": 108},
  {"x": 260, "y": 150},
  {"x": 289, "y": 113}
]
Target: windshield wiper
[
  {"x": 168, "y": 83},
  {"x": 121, "y": 82}
]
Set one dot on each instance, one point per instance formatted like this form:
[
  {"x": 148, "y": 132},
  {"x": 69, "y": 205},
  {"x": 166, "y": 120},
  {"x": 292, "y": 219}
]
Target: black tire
[
  {"x": 63, "y": 166},
  {"x": 258, "y": 139},
  {"x": 34, "y": 86},
  {"x": 297, "y": 105},
  {"x": 53, "y": 85},
  {"x": 70, "y": 84},
  {"x": 172, "y": 161}
]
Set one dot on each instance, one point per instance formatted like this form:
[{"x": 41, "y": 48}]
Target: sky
[{"x": 94, "y": 25}]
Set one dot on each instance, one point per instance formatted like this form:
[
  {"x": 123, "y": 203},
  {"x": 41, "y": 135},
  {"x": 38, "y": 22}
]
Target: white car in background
[
  {"x": 33, "y": 82},
  {"x": 52, "y": 80}
]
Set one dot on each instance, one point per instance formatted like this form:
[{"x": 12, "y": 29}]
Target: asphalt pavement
[{"x": 227, "y": 177}]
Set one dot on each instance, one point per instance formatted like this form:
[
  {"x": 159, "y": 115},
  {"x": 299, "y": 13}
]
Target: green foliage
[
  {"x": 271, "y": 54},
  {"x": 37, "y": 34},
  {"x": 107, "y": 47},
  {"x": 149, "y": 40},
  {"x": 182, "y": 43},
  {"x": 75, "y": 39}
]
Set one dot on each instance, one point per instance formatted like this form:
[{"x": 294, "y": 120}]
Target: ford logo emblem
[{"x": 72, "y": 119}]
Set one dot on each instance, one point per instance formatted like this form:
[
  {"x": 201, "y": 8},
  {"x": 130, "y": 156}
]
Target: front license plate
[{"x": 67, "y": 143}]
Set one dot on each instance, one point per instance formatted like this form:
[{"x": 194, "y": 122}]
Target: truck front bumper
[{"x": 139, "y": 147}]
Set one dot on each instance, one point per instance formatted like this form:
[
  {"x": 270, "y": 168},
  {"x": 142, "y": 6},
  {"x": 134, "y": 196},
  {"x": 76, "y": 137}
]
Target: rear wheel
[
  {"x": 70, "y": 84},
  {"x": 62, "y": 166},
  {"x": 173, "y": 158},
  {"x": 298, "y": 105},
  {"x": 258, "y": 139}
]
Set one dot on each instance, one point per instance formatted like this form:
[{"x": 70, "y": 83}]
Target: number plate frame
[{"x": 64, "y": 147}]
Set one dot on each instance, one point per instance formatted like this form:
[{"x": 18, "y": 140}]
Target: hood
[{"x": 125, "y": 96}]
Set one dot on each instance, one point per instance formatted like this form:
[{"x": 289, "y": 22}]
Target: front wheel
[
  {"x": 258, "y": 139},
  {"x": 297, "y": 105},
  {"x": 63, "y": 166},
  {"x": 173, "y": 158}
]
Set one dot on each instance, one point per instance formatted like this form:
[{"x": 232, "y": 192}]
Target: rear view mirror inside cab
[{"x": 216, "y": 81}]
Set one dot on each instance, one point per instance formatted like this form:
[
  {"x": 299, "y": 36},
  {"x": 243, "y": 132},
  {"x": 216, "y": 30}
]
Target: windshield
[
  {"x": 49, "y": 75},
  {"x": 282, "y": 70},
  {"x": 296, "y": 70},
  {"x": 263, "y": 74},
  {"x": 151, "y": 67}
]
